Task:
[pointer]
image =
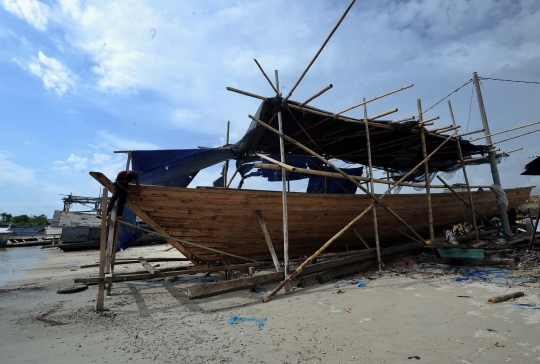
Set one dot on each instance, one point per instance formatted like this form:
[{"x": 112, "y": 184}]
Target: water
[{"x": 15, "y": 261}]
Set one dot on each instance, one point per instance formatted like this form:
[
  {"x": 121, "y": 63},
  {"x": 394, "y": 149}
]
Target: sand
[{"x": 397, "y": 318}]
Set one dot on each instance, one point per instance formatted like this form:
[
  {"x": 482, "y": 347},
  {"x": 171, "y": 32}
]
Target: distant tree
[
  {"x": 24, "y": 220},
  {"x": 5, "y": 217}
]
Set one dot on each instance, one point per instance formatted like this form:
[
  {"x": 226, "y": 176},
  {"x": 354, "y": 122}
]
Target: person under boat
[
  {"x": 450, "y": 238},
  {"x": 512, "y": 217},
  {"x": 121, "y": 191}
]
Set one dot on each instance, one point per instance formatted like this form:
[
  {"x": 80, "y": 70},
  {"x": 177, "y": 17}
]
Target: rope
[
  {"x": 444, "y": 98},
  {"x": 501, "y": 79}
]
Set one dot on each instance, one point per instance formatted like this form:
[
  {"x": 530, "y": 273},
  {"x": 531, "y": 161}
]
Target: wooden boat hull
[{"x": 226, "y": 219}]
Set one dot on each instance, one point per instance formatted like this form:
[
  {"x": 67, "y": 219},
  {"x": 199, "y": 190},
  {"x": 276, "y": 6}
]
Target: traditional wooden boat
[{"x": 226, "y": 219}]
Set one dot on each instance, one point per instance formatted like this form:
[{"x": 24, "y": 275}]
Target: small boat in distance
[{"x": 5, "y": 234}]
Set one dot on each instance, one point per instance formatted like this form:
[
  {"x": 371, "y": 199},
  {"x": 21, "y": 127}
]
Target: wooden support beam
[
  {"x": 113, "y": 241},
  {"x": 317, "y": 95},
  {"x": 110, "y": 244},
  {"x": 373, "y": 99},
  {"x": 267, "y": 79},
  {"x": 505, "y": 131},
  {"x": 226, "y": 165},
  {"x": 100, "y": 299},
  {"x": 268, "y": 240},
  {"x": 136, "y": 261},
  {"x": 139, "y": 276}
]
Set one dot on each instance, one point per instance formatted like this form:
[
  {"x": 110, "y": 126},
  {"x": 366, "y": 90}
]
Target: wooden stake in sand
[{"x": 102, "y": 251}]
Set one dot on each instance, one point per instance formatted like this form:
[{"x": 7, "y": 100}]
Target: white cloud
[
  {"x": 79, "y": 163},
  {"x": 112, "y": 142},
  {"x": 53, "y": 74},
  {"x": 33, "y": 11},
  {"x": 100, "y": 158},
  {"x": 12, "y": 174}
]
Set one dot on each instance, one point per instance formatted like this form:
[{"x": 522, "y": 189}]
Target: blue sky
[{"x": 80, "y": 79}]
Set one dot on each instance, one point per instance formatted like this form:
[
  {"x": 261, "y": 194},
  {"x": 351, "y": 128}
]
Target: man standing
[{"x": 121, "y": 191}]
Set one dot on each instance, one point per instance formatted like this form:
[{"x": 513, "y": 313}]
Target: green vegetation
[{"x": 23, "y": 220}]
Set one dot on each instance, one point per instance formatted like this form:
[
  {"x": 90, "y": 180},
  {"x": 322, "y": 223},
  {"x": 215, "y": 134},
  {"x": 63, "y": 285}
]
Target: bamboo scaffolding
[
  {"x": 471, "y": 132},
  {"x": 278, "y": 165},
  {"x": 360, "y": 237},
  {"x": 306, "y": 149},
  {"x": 374, "y": 117},
  {"x": 469, "y": 206},
  {"x": 507, "y": 130},
  {"x": 342, "y": 231},
  {"x": 464, "y": 169},
  {"x": 371, "y": 100},
  {"x": 426, "y": 171},
  {"x": 372, "y": 188}
]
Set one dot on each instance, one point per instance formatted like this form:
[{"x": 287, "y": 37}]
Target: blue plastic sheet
[{"x": 235, "y": 319}]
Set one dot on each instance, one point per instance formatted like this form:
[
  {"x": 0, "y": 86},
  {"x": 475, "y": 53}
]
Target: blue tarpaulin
[{"x": 171, "y": 168}]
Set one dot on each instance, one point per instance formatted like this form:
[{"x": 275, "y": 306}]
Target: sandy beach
[{"x": 398, "y": 318}]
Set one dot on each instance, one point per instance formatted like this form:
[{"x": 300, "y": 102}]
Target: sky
[{"x": 81, "y": 79}]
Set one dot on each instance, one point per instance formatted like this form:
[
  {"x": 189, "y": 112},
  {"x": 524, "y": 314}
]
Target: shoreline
[{"x": 395, "y": 317}]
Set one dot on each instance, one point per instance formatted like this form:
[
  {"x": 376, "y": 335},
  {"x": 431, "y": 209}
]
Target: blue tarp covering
[
  {"x": 171, "y": 168},
  {"x": 315, "y": 184}
]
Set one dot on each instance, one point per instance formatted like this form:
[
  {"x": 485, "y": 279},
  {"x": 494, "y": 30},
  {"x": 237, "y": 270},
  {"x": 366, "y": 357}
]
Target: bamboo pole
[
  {"x": 425, "y": 122},
  {"x": 278, "y": 165},
  {"x": 469, "y": 206},
  {"x": 113, "y": 231},
  {"x": 317, "y": 94},
  {"x": 507, "y": 130},
  {"x": 100, "y": 300},
  {"x": 372, "y": 187},
  {"x": 374, "y": 117},
  {"x": 284, "y": 196},
  {"x": 400, "y": 120},
  {"x": 247, "y": 93},
  {"x": 426, "y": 172},
  {"x": 320, "y": 50},
  {"x": 268, "y": 240},
  {"x": 460, "y": 154},
  {"x": 471, "y": 132},
  {"x": 443, "y": 128},
  {"x": 371, "y": 100},
  {"x": 235, "y": 172},
  {"x": 517, "y": 136},
  {"x": 342, "y": 231},
  {"x": 265, "y": 76},
  {"x": 226, "y": 166}
]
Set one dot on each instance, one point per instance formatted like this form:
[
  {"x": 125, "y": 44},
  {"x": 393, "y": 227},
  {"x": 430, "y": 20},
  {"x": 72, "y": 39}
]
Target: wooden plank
[
  {"x": 217, "y": 288},
  {"x": 139, "y": 276},
  {"x": 268, "y": 240},
  {"x": 149, "y": 268}
]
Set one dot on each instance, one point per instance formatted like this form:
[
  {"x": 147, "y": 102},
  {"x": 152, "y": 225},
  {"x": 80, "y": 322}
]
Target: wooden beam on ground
[
  {"x": 217, "y": 288},
  {"x": 137, "y": 261},
  {"x": 268, "y": 240},
  {"x": 149, "y": 268},
  {"x": 138, "y": 276}
]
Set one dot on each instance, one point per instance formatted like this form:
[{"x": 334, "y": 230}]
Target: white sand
[{"x": 392, "y": 319}]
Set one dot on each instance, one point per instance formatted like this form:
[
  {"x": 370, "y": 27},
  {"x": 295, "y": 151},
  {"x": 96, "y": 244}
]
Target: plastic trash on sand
[
  {"x": 235, "y": 319},
  {"x": 361, "y": 284}
]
